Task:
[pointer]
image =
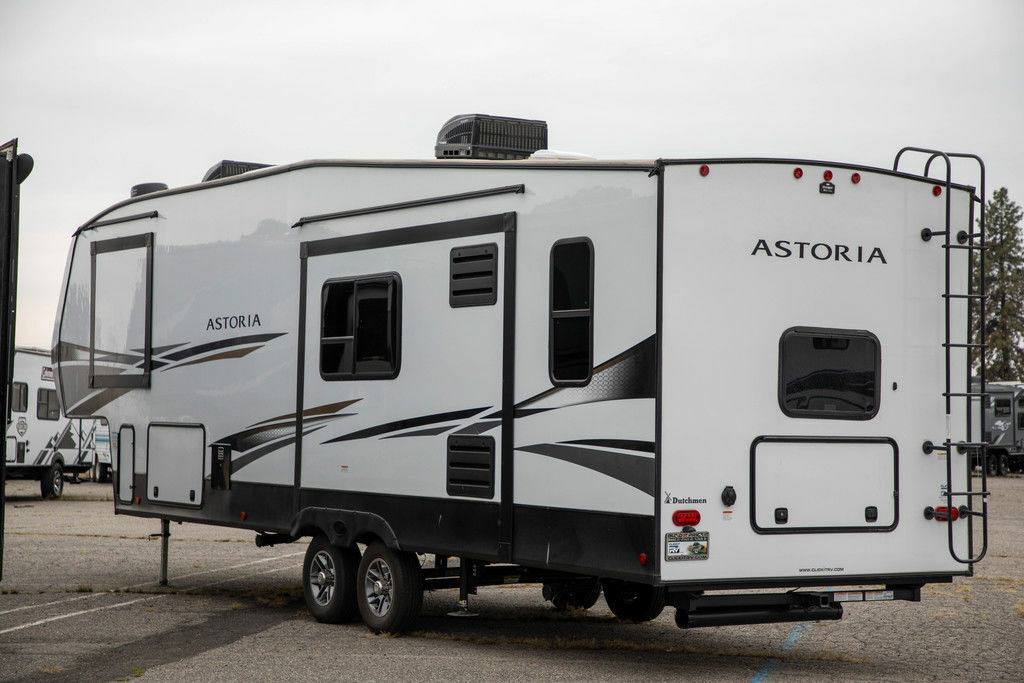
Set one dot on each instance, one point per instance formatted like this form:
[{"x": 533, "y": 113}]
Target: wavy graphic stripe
[
  {"x": 406, "y": 424},
  {"x": 635, "y": 470}
]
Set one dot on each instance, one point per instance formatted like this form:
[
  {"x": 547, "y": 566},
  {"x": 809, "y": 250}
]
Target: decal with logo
[
  {"x": 687, "y": 545},
  {"x": 22, "y": 426},
  {"x": 686, "y": 500},
  {"x": 819, "y": 251}
]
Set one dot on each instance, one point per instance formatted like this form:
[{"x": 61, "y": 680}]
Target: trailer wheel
[
  {"x": 1003, "y": 465},
  {"x": 52, "y": 483},
  {"x": 328, "y": 581},
  {"x": 633, "y": 601},
  {"x": 579, "y": 594},
  {"x": 104, "y": 474},
  {"x": 389, "y": 589},
  {"x": 997, "y": 464}
]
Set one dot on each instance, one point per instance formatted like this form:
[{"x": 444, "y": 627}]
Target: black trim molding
[
  {"x": 432, "y": 232},
  {"x": 507, "y": 189}
]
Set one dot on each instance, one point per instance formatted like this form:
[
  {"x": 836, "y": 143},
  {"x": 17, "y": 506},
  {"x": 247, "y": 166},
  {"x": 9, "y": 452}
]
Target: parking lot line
[
  {"x": 150, "y": 583},
  {"x": 79, "y": 612}
]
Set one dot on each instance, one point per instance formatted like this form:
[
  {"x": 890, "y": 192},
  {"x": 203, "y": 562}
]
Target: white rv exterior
[
  {"x": 41, "y": 443},
  {"x": 538, "y": 363}
]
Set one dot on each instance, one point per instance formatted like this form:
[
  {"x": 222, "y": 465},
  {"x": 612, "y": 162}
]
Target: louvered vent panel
[
  {"x": 474, "y": 276},
  {"x": 471, "y": 466}
]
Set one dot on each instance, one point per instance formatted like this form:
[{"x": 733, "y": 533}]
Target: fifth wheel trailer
[
  {"x": 525, "y": 365},
  {"x": 41, "y": 443}
]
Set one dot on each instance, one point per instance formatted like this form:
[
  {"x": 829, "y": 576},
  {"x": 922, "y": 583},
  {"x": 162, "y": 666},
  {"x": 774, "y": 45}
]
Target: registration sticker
[{"x": 687, "y": 545}]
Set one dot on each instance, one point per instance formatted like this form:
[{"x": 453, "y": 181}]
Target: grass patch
[
  {"x": 7, "y": 592},
  {"x": 1019, "y": 607},
  {"x": 82, "y": 588},
  {"x": 52, "y": 669}
]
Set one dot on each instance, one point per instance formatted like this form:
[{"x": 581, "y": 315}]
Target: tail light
[
  {"x": 686, "y": 517},
  {"x": 942, "y": 513}
]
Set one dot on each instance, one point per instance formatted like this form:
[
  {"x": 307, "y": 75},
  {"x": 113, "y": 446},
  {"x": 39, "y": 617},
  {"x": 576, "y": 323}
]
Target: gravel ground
[{"x": 80, "y": 601}]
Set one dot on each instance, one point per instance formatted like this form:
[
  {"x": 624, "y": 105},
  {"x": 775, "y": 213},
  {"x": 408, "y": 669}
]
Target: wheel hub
[{"x": 321, "y": 578}]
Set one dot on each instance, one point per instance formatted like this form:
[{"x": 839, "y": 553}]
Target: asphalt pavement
[{"x": 80, "y": 600}]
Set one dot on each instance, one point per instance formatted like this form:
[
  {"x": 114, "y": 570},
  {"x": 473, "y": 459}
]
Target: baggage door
[{"x": 406, "y": 380}]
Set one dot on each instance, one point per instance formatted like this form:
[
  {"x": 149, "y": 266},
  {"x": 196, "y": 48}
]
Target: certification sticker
[{"x": 687, "y": 545}]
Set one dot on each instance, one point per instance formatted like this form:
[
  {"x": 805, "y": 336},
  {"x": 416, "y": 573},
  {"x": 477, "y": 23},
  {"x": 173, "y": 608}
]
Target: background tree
[{"x": 1004, "y": 284}]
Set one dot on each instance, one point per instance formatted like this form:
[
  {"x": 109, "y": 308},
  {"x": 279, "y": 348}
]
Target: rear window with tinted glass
[{"x": 828, "y": 373}]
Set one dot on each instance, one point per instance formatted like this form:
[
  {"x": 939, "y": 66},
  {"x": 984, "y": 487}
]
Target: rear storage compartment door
[{"x": 853, "y": 484}]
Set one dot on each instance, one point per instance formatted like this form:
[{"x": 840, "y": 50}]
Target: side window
[
  {"x": 1020, "y": 420},
  {"x": 571, "y": 324},
  {"x": 1002, "y": 407},
  {"x": 19, "y": 397},
  {"x": 120, "y": 329},
  {"x": 47, "y": 407},
  {"x": 829, "y": 373},
  {"x": 360, "y": 335}
]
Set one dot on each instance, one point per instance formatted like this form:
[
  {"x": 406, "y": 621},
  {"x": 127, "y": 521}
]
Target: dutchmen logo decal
[{"x": 819, "y": 251}]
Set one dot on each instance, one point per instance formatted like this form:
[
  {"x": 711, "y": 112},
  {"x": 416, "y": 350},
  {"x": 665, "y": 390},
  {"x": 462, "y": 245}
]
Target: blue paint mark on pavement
[{"x": 774, "y": 662}]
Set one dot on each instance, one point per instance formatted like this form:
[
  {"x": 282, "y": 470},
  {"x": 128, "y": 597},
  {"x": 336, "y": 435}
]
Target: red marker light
[
  {"x": 936, "y": 190},
  {"x": 243, "y": 516},
  {"x": 942, "y": 513},
  {"x": 828, "y": 175},
  {"x": 855, "y": 178},
  {"x": 643, "y": 559},
  {"x": 798, "y": 173},
  {"x": 704, "y": 170},
  {"x": 686, "y": 517}
]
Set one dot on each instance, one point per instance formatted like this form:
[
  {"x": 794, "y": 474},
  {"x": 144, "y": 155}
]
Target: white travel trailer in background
[
  {"x": 41, "y": 444},
  {"x": 524, "y": 364}
]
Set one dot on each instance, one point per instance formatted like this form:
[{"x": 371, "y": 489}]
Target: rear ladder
[{"x": 974, "y": 243}]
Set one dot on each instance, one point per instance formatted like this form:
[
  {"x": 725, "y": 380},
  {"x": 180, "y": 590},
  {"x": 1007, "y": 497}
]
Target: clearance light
[
  {"x": 936, "y": 190},
  {"x": 686, "y": 517},
  {"x": 828, "y": 175},
  {"x": 798, "y": 173},
  {"x": 704, "y": 170},
  {"x": 855, "y": 178},
  {"x": 243, "y": 516},
  {"x": 643, "y": 559}
]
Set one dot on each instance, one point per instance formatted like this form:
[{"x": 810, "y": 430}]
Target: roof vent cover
[
  {"x": 146, "y": 188},
  {"x": 228, "y": 168},
  {"x": 482, "y": 136}
]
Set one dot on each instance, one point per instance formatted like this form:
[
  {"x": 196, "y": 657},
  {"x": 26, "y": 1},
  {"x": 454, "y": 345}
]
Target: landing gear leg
[
  {"x": 465, "y": 588},
  {"x": 165, "y": 537}
]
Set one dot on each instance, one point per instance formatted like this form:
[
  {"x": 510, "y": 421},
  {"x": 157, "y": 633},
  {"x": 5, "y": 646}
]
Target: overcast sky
[{"x": 105, "y": 95}]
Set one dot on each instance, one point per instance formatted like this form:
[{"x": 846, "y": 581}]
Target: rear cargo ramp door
[{"x": 823, "y": 484}]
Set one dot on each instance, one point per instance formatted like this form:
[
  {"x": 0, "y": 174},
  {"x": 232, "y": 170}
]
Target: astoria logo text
[
  {"x": 233, "y": 322},
  {"x": 819, "y": 251}
]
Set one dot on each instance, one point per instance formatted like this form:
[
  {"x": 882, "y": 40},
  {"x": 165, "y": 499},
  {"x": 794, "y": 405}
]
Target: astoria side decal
[
  {"x": 233, "y": 322},
  {"x": 819, "y": 251}
]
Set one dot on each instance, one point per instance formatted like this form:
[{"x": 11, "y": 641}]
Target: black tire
[
  {"x": 1003, "y": 465},
  {"x": 578, "y": 594},
  {"x": 105, "y": 474},
  {"x": 389, "y": 589},
  {"x": 329, "y": 581},
  {"x": 52, "y": 483},
  {"x": 633, "y": 601}
]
